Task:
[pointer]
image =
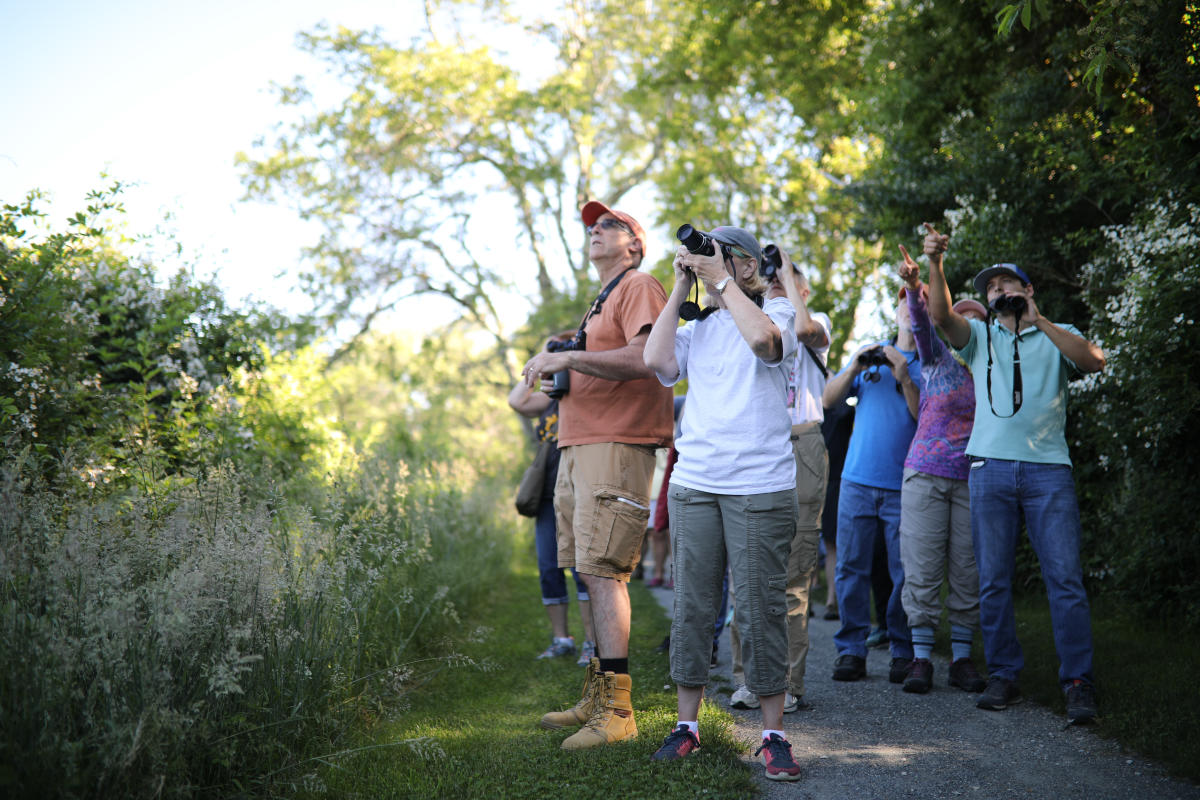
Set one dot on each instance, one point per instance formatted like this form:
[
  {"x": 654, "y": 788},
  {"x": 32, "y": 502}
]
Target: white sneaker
[
  {"x": 790, "y": 703},
  {"x": 744, "y": 698}
]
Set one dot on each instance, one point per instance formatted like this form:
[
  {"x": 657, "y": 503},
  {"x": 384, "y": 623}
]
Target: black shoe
[
  {"x": 999, "y": 694},
  {"x": 964, "y": 675},
  {"x": 831, "y": 613},
  {"x": 1081, "y": 702},
  {"x": 898, "y": 669},
  {"x": 920, "y": 676},
  {"x": 849, "y": 668}
]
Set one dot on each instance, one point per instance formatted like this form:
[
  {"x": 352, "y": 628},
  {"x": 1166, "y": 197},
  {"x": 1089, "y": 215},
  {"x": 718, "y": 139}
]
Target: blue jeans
[
  {"x": 1000, "y": 491},
  {"x": 864, "y": 512},
  {"x": 553, "y": 581}
]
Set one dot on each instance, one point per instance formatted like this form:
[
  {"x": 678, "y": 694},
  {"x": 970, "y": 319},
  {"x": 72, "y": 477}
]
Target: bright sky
[{"x": 164, "y": 94}]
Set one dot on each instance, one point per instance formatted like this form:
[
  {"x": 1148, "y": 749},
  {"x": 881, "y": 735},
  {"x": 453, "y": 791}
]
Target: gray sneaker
[
  {"x": 999, "y": 694},
  {"x": 559, "y": 647},
  {"x": 744, "y": 698},
  {"x": 793, "y": 702}
]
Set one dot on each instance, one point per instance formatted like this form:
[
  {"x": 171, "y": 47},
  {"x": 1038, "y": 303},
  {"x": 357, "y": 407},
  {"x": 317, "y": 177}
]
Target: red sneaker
[
  {"x": 678, "y": 744},
  {"x": 778, "y": 759}
]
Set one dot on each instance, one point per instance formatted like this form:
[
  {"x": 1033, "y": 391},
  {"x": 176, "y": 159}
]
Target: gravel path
[{"x": 868, "y": 739}]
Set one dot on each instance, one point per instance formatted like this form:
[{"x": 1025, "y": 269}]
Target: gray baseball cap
[{"x": 739, "y": 237}]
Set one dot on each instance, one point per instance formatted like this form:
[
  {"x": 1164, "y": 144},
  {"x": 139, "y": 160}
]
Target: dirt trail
[{"x": 869, "y": 739}]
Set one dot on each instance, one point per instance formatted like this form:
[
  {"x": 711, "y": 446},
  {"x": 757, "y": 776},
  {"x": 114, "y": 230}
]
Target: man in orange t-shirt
[{"x": 613, "y": 416}]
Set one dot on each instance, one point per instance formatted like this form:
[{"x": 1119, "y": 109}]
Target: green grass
[
  {"x": 1145, "y": 672},
  {"x": 474, "y": 734}
]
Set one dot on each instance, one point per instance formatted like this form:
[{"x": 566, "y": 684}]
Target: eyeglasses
[{"x": 607, "y": 224}]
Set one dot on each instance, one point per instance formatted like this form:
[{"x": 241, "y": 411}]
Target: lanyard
[{"x": 1016, "y": 383}]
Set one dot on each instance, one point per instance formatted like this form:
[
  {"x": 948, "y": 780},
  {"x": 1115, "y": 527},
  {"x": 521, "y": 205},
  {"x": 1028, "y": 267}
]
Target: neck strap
[
  {"x": 1016, "y": 381},
  {"x": 598, "y": 303}
]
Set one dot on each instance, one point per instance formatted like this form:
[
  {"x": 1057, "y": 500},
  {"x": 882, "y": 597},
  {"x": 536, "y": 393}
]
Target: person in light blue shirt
[
  {"x": 886, "y": 378},
  {"x": 1020, "y": 465}
]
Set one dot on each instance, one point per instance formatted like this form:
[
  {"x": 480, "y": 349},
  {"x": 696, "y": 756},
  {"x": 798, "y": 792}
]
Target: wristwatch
[{"x": 720, "y": 285}]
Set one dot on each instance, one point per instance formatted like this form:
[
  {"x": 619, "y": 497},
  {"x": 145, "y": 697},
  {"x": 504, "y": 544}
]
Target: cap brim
[
  {"x": 592, "y": 211},
  {"x": 981, "y": 280}
]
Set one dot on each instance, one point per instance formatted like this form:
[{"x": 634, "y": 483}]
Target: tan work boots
[
  {"x": 581, "y": 712},
  {"x": 605, "y": 711}
]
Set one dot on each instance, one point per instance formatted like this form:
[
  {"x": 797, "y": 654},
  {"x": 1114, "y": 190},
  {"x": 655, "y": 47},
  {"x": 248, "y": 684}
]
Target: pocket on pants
[
  {"x": 618, "y": 526},
  {"x": 776, "y": 595}
]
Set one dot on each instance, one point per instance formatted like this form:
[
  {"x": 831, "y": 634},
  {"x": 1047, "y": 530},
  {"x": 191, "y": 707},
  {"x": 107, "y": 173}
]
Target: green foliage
[
  {"x": 1069, "y": 144},
  {"x": 763, "y": 142},
  {"x": 99, "y": 359},
  {"x": 431, "y": 148},
  {"x": 1138, "y": 456},
  {"x": 215, "y": 645},
  {"x": 218, "y": 554}
]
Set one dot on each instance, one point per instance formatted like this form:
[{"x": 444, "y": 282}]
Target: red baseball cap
[{"x": 594, "y": 209}]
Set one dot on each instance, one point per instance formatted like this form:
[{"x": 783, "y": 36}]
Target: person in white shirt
[{"x": 732, "y": 494}]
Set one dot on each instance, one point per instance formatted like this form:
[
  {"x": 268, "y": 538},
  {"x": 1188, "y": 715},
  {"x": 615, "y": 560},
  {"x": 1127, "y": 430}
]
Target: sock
[
  {"x": 767, "y": 734},
  {"x": 617, "y": 665},
  {"x": 922, "y": 640},
  {"x": 960, "y": 641},
  {"x": 694, "y": 727}
]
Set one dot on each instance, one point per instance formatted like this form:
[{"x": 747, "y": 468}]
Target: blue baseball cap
[{"x": 981, "y": 280}]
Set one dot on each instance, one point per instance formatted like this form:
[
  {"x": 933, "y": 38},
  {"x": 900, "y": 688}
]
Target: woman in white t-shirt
[{"x": 732, "y": 495}]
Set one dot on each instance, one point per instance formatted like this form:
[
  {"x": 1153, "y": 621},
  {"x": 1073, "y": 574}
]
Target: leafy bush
[
  {"x": 96, "y": 355},
  {"x": 1135, "y": 420},
  {"x": 208, "y": 571}
]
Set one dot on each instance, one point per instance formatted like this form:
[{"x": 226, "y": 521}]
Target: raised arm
[
  {"x": 955, "y": 326},
  {"x": 839, "y": 385},
  {"x": 760, "y": 332},
  {"x": 1087, "y": 356},
  {"x": 659, "y": 354},
  {"x": 808, "y": 330}
]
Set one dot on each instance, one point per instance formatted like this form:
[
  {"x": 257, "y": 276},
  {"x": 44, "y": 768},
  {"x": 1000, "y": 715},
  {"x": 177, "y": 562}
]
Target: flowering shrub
[
  {"x": 1134, "y": 451},
  {"x": 94, "y": 353}
]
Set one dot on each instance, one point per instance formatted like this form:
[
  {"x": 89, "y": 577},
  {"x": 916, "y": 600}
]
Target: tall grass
[{"x": 211, "y": 644}]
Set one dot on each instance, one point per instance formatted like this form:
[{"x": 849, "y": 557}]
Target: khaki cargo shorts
[{"x": 601, "y": 504}]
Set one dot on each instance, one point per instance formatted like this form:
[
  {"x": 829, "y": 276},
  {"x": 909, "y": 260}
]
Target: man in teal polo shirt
[{"x": 1020, "y": 362}]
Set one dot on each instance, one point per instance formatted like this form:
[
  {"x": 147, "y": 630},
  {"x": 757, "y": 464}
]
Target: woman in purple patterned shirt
[{"x": 935, "y": 512}]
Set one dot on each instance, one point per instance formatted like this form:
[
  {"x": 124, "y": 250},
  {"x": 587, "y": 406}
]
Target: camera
[
  {"x": 873, "y": 358},
  {"x": 772, "y": 262},
  {"x": 697, "y": 242},
  {"x": 562, "y": 379},
  {"x": 1005, "y": 302}
]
